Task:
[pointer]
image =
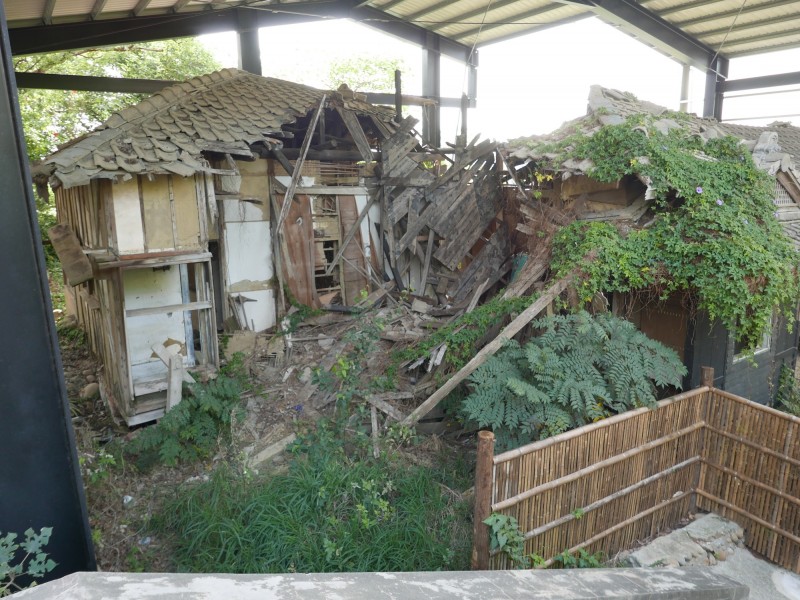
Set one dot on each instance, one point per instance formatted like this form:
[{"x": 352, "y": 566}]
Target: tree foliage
[
  {"x": 365, "y": 73},
  {"x": 580, "y": 369},
  {"x": 53, "y": 117}
]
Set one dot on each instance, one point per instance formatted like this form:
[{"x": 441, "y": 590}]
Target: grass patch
[{"x": 329, "y": 514}]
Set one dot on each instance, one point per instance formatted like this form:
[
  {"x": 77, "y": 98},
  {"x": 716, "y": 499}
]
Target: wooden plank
[
  {"x": 160, "y": 310},
  {"x": 359, "y": 137},
  {"x": 298, "y": 167},
  {"x": 379, "y": 401},
  {"x": 353, "y": 273},
  {"x": 426, "y": 266},
  {"x": 175, "y": 381},
  {"x": 350, "y": 234},
  {"x": 491, "y": 348},
  {"x": 470, "y": 156},
  {"x": 165, "y": 354},
  {"x": 76, "y": 265},
  {"x": 530, "y": 273},
  {"x": 376, "y": 449}
]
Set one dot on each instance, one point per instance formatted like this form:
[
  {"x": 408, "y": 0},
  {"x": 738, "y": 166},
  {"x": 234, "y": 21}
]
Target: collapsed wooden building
[
  {"x": 216, "y": 202},
  {"x": 569, "y": 193}
]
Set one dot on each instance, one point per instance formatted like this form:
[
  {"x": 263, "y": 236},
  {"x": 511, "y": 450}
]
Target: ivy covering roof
[{"x": 716, "y": 224}]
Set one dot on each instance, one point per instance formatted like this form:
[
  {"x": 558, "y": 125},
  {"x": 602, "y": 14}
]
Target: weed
[{"x": 579, "y": 560}]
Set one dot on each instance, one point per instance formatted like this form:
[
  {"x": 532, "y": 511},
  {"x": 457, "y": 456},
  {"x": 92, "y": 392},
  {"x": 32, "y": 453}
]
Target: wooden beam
[
  {"x": 298, "y": 167},
  {"x": 491, "y": 348},
  {"x": 359, "y": 137},
  {"x": 90, "y": 83}
]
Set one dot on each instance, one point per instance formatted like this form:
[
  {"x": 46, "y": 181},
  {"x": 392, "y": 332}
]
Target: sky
[{"x": 527, "y": 85}]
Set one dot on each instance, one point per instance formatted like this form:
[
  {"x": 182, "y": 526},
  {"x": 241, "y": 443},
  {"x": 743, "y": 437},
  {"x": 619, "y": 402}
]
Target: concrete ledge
[{"x": 585, "y": 584}]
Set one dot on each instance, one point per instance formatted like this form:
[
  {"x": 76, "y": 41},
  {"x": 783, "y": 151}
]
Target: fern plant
[{"x": 581, "y": 368}]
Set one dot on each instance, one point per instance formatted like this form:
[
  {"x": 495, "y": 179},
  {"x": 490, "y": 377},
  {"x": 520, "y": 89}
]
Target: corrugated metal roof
[{"x": 731, "y": 27}]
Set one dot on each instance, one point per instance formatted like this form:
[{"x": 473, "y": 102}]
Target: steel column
[
  {"x": 40, "y": 484},
  {"x": 431, "y": 89}
]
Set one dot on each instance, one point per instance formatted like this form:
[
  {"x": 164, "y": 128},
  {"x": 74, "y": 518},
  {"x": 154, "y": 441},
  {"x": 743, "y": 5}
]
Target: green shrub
[
  {"x": 580, "y": 369},
  {"x": 787, "y": 398}
]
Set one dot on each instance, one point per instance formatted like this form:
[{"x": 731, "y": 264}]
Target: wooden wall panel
[
  {"x": 157, "y": 214},
  {"x": 187, "y": 217},
  {"x": 353, "y": 264},
  {"x": 128, "y": 217},
  {"x": 297, "y": 251}
]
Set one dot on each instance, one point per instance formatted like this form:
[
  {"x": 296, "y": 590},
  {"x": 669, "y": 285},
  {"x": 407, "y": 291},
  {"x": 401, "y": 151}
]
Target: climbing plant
[
  {"x": 714, "y": 233},
  {"x": 580, "y": 369}
]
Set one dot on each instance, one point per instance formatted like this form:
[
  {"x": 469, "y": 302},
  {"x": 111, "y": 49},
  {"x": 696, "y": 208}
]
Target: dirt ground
[{"x": 121, "y": 499}]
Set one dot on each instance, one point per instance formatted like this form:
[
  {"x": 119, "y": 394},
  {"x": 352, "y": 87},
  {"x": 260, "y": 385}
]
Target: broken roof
[
  {"x": 224, "y": 112},
  {"x": 774, "y": 147},
  {"x": 612, "y": 107}
]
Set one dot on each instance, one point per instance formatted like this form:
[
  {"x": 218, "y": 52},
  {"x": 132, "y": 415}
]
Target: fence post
[
  {"x": 707, "y": 376},
  {"x": 483, "y": 500}
]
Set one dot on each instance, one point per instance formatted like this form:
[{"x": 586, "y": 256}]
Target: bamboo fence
[{"x": 608, "y": 485}]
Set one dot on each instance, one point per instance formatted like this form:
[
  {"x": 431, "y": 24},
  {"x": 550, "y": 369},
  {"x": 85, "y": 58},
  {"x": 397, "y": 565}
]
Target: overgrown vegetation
[
  {"x": 463, "y": 334},
  {"x": 193, "y": 429},
  {"x": 505, "y": 537},
  {"x": 787, "y": 397},
  {"x": 21, "y": 563},
  {"x": 330, "y": 512},
  {"x": 715, "y": 234},
  {"x": 580, "y": 369}
]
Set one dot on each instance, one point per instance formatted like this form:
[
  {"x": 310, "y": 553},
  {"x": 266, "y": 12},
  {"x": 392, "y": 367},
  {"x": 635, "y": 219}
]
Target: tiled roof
[{"x": 224, "y": 112}]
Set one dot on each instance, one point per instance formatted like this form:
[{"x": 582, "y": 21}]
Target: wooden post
[
  {"x": 707, "y": 376},
  {"x": 483, "y": 500}
]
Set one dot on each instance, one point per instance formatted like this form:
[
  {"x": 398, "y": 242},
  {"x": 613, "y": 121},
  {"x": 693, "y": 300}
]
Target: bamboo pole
[
  {"x": 625, "y": 523},
  {"x": 483, "y": 500},
  {"x": 778, "y": 509},
  {"x": 534, "y": 446},
  {"x": 596, "y": 467},
  {"x": 489, "y": 349},
  {"x": 603, "y": 501},
  {"x": 755, "y": 405},
  {"x": 759, "y": 447},
  {"x": 747, "y": 515}
]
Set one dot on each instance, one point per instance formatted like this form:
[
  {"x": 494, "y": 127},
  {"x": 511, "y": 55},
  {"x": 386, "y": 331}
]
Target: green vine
[{"x": 714, "y": 234}]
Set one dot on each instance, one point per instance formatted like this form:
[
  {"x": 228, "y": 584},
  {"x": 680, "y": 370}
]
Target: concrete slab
[
  {"x": 765, "y": 580},
  {"x": 586, "y": 584},
  {"x": 720, "y": 543}
]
